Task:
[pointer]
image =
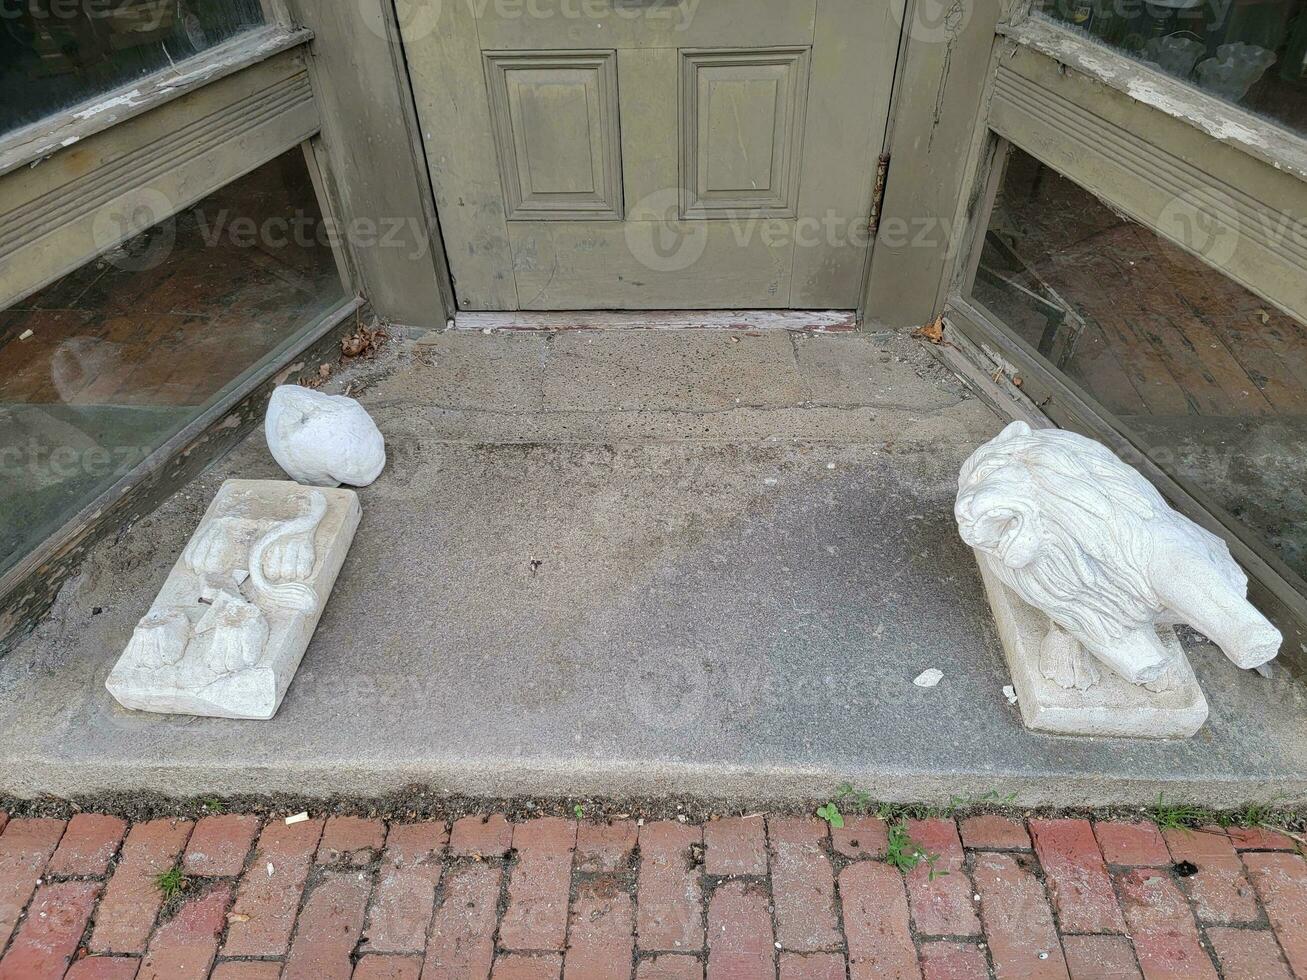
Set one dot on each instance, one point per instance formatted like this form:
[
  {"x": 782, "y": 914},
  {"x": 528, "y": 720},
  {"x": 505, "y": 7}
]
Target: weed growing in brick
[
  {"x": 831, "y": 814},
  {"x": 170, "y": 883},
  {"x": 1178, "y": 816},
  {"x": 903, "y": 853}
]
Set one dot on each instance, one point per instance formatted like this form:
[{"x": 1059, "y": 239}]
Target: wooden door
[{"x": 653, "y": 154}]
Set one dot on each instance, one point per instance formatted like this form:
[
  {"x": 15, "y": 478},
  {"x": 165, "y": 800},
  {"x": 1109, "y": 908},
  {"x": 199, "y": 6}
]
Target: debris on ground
[{"x": 928, "y": 678}]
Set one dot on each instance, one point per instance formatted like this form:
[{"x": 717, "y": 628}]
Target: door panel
[
  {"x": 650, "y": 154},
  {"x": 556, "y": 134},
  {"x": 742, "y": 131}
]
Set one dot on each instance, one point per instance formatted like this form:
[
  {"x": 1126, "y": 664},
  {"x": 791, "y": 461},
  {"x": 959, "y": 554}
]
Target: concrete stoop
[{"x": 632, "y": 563}]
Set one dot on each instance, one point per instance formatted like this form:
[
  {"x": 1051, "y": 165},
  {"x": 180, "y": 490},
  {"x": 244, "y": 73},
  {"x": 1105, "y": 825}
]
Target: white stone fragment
[
  {"x": 227, "y": 631},
  {"x": 929, "y": 677},
  {"x": 323, "y": 440},
  {"x": 1085, "y": 565}
]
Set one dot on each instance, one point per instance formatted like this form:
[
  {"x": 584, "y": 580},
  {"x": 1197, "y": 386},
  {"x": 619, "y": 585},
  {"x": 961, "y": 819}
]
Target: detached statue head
[
  {"x": 1084, "y": 538},
  {"x": 323, "y": 440}
]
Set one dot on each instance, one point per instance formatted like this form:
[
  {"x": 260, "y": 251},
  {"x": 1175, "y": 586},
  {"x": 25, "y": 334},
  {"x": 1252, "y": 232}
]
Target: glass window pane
[
  {"x": 100, "y": 368},
  {"x": 1207, "y": 377},
  {"x": 1249, "y": 52},
  {"x": 57, "y": 53}
]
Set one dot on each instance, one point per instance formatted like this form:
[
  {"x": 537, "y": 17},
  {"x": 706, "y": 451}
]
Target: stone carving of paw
[
  {"x": 218, "y": 547},
  {"x": 239, "y": 635},
  {"x": 160, "y": 638},
  {"x": 1064, "y": 661}
]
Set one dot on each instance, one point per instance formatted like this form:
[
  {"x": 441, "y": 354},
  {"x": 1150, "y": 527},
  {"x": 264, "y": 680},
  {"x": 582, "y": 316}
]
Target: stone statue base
[
  {"x": 227, "y": 631},
  {"x": 1106, "y": 704}
]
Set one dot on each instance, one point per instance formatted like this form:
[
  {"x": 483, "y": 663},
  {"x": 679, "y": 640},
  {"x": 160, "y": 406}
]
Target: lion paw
[{"x": 1064, "y": 661}]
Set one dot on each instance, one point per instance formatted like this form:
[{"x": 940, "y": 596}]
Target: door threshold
[{"x": 804, "y": 321}]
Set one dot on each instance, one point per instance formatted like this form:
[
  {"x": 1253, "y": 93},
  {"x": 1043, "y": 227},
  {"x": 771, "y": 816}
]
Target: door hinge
[{"x": 878, "y": 193}]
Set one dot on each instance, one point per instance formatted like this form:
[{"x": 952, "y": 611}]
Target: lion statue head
[{"x": 1073, "y": 530}]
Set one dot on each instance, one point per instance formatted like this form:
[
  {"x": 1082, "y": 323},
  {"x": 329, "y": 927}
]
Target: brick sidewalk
[{"x": 738, "y": 898}]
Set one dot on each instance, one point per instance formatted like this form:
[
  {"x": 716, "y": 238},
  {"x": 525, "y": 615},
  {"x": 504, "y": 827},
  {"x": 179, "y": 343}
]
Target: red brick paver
[
  {"x": 270, "y": 892},
  {"x": 183, "y": 947},
  {"x": 1133, "y": 844},
  {"x": 351, "y": 840},
  {"x": 131, "y": 901},
  {"x": 405, "y": 894},
  {"x": 219, "y": 845},
  {"x": 803, "y": 885},
  {"x": 1078, "y": 882},
  {"x": 537, "y": 891},
  {"x": 486, "y": 836},
  {"x": 765, "y": 897},
  {"x": 860, "y": 837},
  {"x": 1220, "y": 891},
  {"x": 670, "y": 966},
  {"x": 1162, "y": 927},
  {"x": 112, "y": 968},
  {"x": 1018, "y": 921},
  {"x": 992, "y": 833},
  {"x": 461, "y": 945},
  {"x": 49, "y": 935},
  {"x": 1281, "y": 883},
  {"x": 1249, "y": 954},
  {"x": 952, "y": 961},
  {"x": 329, "y": 927},
  {"x": 88, "y": 845},
  {"x": 939, "y": 891},
  {"x": 812, "y": 966},
  {"x": 735, "y": 846},
  {"x": 378, "y": 967},
  {"x": 25, "y": 847},
  {"x": 670, "y": 915},
  {"x": 1100, "y": 958},
  {"x": 876, "y": 922},
  {"x": 605, "y": 846},
  {"x": 740, "y": 943},
  {"x": 601, "y": 937}
]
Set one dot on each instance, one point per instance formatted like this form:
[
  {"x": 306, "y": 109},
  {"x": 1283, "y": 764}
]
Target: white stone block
[{"x": 227, "y": 631}]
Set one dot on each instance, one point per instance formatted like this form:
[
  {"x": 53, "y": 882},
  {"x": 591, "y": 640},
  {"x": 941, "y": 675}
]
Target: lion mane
[{"x": 1095, "y": 518}]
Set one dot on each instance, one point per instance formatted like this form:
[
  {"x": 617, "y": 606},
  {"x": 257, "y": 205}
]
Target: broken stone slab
[
  {"x": 227, "y": 631},
  {"x": 1110, "y": 705}
]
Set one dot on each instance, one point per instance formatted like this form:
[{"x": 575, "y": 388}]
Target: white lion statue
[{"x": 1081, "y": 536}]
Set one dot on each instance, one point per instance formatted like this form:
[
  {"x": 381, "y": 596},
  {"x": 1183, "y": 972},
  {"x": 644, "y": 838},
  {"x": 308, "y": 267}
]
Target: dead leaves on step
[{"x": 932, "y": 332}]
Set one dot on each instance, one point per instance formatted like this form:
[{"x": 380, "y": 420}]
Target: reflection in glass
[
  {"x": 57, "y": 53},
  {"x": 100, "y": 368},
  {"x": 1249, "y": 52},
  {"x": 1208, "y": 377}
]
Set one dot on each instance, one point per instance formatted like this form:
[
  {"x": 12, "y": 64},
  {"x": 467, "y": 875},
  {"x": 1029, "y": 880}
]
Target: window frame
[{"x": 1258, "y": 163}]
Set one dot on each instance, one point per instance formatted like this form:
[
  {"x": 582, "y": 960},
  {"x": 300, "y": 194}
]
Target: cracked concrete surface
[{"x": 630, "y": 563}]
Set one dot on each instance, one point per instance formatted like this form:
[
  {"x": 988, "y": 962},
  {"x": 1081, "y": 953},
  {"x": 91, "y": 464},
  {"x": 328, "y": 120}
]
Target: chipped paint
[
  {"x": 1178, "y": 99},
  {"x": 129, "y": 99}
]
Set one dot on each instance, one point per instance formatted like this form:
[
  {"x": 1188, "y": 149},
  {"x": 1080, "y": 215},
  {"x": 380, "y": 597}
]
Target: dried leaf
[{"x": 932, "y": 332}]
